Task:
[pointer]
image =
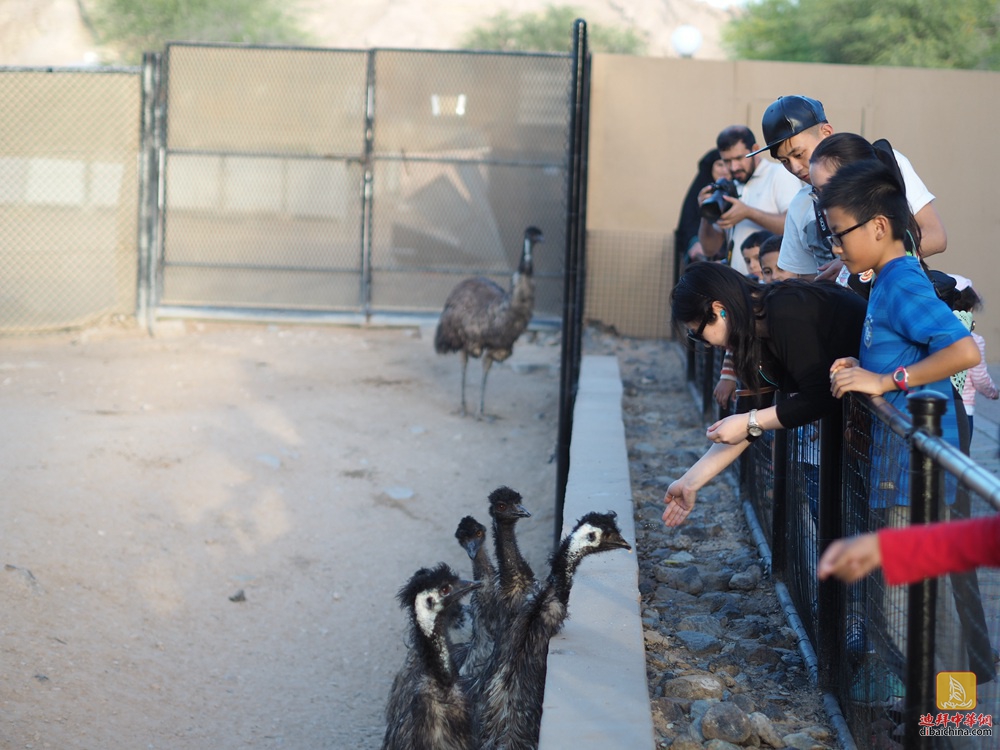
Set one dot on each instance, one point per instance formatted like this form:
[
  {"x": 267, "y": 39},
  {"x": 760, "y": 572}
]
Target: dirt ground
[{"x": 203, "y": 531}]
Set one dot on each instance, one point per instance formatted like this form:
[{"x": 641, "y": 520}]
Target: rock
[
  {"x": 726, "y": 722},
  {"x": 694, "y": 687},
  {"x": 747, "y": 580},
  {"x": 665, "y": 596},
  {"x": 745, "y": 703},
  {"x": 764, "y": 729},
  {"x": 655, "y": 638},
  {"x": 671, "y": 709},
  {"x": 684, "y": 579},
  {"x": 701, "y": 624},
  {"x": 686, "y": 743},
  {"x": 721, "y": 745},
  {"x": 756, "y": 654},
  {"x": 803, "y": 741},
  {"x": 699, "y": 643}
]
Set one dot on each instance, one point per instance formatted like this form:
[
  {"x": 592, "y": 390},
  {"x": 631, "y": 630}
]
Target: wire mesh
[
  {"x": 870, "y": 663},
  {"x": 68, "y": 196},
  {"x": 264, "y": 177},
  {"x": 360, "y": 180},
  {"x": 468, "y": 151}
]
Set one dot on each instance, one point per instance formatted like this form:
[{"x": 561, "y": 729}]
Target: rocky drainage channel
[{"x": 724, "y": 668}]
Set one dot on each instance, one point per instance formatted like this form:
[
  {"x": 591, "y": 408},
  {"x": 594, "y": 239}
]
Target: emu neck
[
  {"x": 509, "y": 560},
  {"x": 435, "y": 650}
]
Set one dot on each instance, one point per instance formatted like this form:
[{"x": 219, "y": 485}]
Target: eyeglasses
[
  {"x": 697, "y": 335},
  {"x": 837, "y": 238}
]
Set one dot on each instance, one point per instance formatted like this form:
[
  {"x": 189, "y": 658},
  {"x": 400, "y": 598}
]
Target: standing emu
[
  {"x": 481, "y": 319},
  {"x": 427, "y": 708},
  {"x": 509, "y": 708}
]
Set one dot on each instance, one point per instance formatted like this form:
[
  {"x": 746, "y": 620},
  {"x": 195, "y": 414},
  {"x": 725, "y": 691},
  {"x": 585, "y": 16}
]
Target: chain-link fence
[
  {"x": 359, "y": 181},
  {"x": 239, "y": 178},
  {"x": 68, "y": 196}
]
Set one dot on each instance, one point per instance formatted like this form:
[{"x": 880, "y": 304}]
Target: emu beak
[
  {"x": 521, "y": 512},
  {"x": 472, "y": 547},
  {"x": 616, "y": 541},
  {"x": 461, "y": 588}
]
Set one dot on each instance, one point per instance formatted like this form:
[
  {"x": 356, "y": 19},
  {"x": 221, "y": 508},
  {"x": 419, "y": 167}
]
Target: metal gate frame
[{"x": 153, "y": 206}]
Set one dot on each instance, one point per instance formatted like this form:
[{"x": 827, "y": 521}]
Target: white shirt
[
  {"x": 802, "y": 249},
  {"x": 770, "y": 188}
]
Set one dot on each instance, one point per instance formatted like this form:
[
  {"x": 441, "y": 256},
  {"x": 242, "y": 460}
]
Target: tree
[
  {"x": 549, "y": 31},
  {"x": 135, "y": 26},
  {"x": 919, "y": 33}
]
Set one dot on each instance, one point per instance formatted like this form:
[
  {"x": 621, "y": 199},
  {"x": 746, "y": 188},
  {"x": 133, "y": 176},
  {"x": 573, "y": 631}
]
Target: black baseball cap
[{"x": 788, "y": 116}]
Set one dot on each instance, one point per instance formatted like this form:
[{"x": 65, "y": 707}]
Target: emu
[
  {"x": 515, "y": 578},
  {"x": 483, "y": 604},
  {"x": 427, "y": 707},
  {"x": 509, "y": 708},
  {"x": 481, "y": 319}
]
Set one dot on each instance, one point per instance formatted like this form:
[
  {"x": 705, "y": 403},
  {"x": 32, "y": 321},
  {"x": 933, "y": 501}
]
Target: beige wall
[{"x": 653, "y": 118}]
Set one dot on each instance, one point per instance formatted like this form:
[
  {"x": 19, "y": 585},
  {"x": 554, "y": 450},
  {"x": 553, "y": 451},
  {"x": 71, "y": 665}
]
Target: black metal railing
[{"x": 882, "y": 651}]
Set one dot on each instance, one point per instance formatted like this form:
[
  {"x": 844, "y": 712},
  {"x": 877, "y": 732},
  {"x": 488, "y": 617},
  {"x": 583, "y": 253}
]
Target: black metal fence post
[
  {"x": 926, "y": 490},
  {"x": 151, "y": 149},
  {"x": 574, "y": 279},
  {"x": 779, "y": 503}
]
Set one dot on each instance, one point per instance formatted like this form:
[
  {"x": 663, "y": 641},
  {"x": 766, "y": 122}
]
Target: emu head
[
  {"x": 430, "y": 592},
  {"x": 505, "y": 504},
  {"x": 532, "y": 235},
  {"x": 596, "y": 532},
  {"x": 470, "y": 534}
]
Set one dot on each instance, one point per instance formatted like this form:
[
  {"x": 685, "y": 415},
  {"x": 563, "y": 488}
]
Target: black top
[
  {"x": 690, "y": 218},
  {"x": 810, "y": 324}
]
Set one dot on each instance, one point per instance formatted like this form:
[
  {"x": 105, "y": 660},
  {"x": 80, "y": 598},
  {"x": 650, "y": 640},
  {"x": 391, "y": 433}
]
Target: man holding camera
[{"x": 764, "y": 192}]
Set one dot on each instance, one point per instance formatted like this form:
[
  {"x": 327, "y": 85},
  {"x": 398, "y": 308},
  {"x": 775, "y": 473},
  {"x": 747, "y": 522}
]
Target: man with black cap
[
  {"x": 793, "y": 126},
  {"x": 765, "y": 193}
]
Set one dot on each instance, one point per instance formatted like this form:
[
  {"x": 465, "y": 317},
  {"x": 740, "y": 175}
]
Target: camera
[{"x": 715, "y": 205}]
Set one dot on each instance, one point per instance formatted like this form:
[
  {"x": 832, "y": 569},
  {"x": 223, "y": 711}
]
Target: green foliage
[
  {"x": 136, "y": 26},
  {"x": 918, "y": 33},
  {"x": 550, "y": 31}
]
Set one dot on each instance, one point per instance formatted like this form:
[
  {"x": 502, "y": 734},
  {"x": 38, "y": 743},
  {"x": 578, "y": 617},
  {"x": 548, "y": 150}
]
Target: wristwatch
[
  {"x": 753, "y": 429},
  {"x": 902, "y": 379}
]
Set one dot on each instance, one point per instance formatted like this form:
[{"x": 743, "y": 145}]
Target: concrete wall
[{"x": 653, "y": 118}]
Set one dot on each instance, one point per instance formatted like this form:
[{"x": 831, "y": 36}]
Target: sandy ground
[{"x": 148, "y": 481}]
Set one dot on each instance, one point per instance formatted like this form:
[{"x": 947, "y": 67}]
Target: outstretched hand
[
  {"x": 850, "y": 559},
  {"x": 680, "y": 502}
]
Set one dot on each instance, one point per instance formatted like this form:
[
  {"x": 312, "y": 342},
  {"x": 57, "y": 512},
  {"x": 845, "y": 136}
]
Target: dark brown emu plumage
[
  {"x": 480, "y": 319},
  {"x": 427, "y": 707},
  {"x": 508, "y": 708}
]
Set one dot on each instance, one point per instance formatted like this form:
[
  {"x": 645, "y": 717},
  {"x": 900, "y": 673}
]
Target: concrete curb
[{"x": 595, "y": 689}]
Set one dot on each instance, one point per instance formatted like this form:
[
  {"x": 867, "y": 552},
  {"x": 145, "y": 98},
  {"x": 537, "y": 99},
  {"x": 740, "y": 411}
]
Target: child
[
  {"x": 977, "y": 378},
  {"x": 750, "y": 249},
  {"x": 768, "y": 260},
  {"x": 916, "y": 552},
  {"x": 911, "y": 340}
]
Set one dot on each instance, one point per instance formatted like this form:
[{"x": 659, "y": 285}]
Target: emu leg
[
  {"x": 465, "y": 364},
  {"x": 487, "y": 363}
]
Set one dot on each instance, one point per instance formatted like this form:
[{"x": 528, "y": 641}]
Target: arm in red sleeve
[{"x": 913, "y": 553}]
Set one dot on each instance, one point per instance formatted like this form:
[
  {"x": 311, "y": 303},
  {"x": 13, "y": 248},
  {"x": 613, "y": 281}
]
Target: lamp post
[{"x": 686, "y": 40}]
